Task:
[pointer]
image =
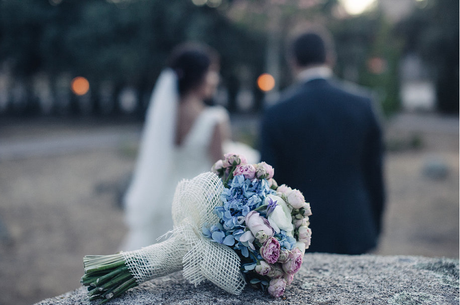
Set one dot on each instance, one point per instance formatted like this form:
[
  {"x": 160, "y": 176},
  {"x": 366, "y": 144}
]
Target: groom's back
[
  {"x": 319, "y": 140},
  {"x": 322, "y": 128}
]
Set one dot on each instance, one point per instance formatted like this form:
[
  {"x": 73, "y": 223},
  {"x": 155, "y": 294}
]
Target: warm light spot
[
  {"x": 266, "y": 82},
  {"x": 376, "y": 65},
  {"x": 356, "y": 7},
  {"x": 80, "y": 85}
]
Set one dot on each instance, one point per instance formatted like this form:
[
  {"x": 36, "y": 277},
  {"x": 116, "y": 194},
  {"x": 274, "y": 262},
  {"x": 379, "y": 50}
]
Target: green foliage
[
  {"x": 361, "y": 40},
  {"x": 126, "y": 43}
]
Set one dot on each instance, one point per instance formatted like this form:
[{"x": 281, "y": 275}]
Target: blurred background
[{"x": 75, "y": 82}]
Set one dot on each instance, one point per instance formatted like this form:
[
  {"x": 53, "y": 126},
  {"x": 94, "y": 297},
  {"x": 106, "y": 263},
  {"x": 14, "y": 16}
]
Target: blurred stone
[
  {"x": 323, "y": 279},
  {"x": 435, "y": 168}
]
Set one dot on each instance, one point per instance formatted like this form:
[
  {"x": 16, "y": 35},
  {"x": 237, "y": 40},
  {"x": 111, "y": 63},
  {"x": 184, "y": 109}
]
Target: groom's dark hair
[
  {"x": 311, "y": 47},
  {"x": 191, "y": 62}
]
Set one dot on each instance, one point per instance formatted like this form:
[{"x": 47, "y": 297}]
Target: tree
[
  {"x": 432, "y": 32},
  {"x": 125, "y": 42}
]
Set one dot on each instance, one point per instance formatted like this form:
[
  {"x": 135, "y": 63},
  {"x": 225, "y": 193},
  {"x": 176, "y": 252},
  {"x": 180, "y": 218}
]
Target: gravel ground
[{"x": 57, "y": 209}]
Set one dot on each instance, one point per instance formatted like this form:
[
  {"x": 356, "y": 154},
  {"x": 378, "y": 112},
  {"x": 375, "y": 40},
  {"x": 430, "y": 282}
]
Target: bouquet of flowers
[
  {"x": 265, "y": 224},
  {"x": 232, "y": 226}
]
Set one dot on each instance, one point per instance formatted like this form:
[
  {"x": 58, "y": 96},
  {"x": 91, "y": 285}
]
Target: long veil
[{"x": 156, "y": 150}]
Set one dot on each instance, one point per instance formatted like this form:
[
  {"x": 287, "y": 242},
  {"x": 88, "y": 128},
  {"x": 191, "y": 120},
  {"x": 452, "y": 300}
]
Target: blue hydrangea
[
  {"x": 286, "y": 242},
  {"x": 241, "y": 197},
  {"x": 217, "y": 234}
]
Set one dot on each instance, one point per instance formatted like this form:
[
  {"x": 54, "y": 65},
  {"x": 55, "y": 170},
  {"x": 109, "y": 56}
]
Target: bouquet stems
[
  {"x": 109, "y": 276},
  {"x": 106, "y": 277}
]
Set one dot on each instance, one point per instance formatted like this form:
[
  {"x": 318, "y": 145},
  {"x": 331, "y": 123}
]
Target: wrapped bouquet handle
[{"x": 193, "y": 207}]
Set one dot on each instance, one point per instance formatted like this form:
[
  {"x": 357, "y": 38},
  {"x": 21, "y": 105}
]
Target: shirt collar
[{"x": 320, "y": 72}]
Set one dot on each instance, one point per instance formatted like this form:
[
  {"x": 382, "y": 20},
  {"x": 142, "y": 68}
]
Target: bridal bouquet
[{"x": 232, "y": 226}]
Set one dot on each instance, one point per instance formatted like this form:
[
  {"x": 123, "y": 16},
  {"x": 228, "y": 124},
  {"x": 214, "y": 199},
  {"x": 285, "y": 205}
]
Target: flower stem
[
  {"x": 104, "y": 267},
  {"x": 230, "y": 175},
  {"x": 101, "y": 280},
  {"x": 115, "y": 281}
]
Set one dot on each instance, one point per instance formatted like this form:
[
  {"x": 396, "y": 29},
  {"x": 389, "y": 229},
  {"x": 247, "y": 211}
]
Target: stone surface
[{"x": 323, "y": 279}]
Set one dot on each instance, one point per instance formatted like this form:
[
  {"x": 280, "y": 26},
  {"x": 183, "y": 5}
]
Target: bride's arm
[{"x": 222, "y": 133}]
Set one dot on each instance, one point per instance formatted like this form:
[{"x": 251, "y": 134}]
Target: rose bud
[
  {"x": 276, "y": 288},
  {"x": 294, "y": 262},
  {"x": 263, "y": 268},
  {"x": 284, "y": 256}
]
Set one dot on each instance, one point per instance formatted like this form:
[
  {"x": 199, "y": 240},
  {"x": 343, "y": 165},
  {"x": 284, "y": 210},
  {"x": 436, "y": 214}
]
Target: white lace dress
[{"x": 189, "y": 160}]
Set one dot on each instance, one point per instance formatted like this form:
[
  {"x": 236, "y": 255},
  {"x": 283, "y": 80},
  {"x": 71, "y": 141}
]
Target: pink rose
[
  {"x": 288, "y": 278},
  {"x": 272, "y": 184},
  {"x": 247, "y": 170},
  {"x": 284, "y": 189},
  {"x": 301, "y": 222},
  {"x": 275, "y": 272},
  {"x": 233, "y": 160},
  {"x": 294, "y": 262},
  {"x": 305, "y": 235},
  {"x": 276, "y": 288},
  {"x": 270, "y": 251},
  {"x": 307, "y": 208},
  {"x": 217, "y": 166},
  {"x": 296, "y": 199},
  {"x": 263, "y": 268},
  {"x": 264, "y": 171},
  {"x": 256, "y": 223}
]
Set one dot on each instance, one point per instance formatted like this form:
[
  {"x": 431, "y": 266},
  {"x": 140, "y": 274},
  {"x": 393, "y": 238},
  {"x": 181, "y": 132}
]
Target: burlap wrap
[{"x": 187, "y": 248}]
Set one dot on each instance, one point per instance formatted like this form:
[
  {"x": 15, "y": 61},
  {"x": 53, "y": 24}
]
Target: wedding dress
[{"x": 162, "y": 164}]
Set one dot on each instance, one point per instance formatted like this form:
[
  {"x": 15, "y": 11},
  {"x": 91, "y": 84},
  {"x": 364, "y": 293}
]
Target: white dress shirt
[{"x": 319, "y": 72}]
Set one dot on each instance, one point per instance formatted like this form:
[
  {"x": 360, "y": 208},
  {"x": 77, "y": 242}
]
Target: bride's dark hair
[{"x": 191, "y": 62}]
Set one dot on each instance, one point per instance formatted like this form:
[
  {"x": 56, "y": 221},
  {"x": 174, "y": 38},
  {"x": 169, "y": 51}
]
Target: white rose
[
  {"x": 281, "y": 217},
  {"x": 284, "y": 189},
  {"x": 300, "y": 246},
  {"x": 296, "y": 199}
]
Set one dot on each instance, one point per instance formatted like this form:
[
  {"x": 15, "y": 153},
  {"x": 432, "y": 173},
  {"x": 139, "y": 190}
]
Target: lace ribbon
[{"x": 187, "y": 248}]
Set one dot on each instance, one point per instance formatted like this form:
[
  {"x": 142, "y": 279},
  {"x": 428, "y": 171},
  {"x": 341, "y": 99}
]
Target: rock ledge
[{"x": 323, "y": 279}]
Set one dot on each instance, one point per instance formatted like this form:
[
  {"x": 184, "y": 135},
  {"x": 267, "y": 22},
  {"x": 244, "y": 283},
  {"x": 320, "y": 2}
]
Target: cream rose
[{"x": 296, "y": 199}]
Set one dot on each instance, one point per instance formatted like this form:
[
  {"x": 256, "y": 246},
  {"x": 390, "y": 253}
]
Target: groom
[{"x": 325, "y": 140}]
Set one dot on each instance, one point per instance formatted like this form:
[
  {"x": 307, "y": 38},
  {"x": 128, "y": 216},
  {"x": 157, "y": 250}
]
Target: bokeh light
[
  {"x": 80, "y": 85},
  {"x": 199, "y": 2},
  {"x": 356, "y": 7},
  {"x": 266, "y": 82},
  {"x": 376, "y": 65}
]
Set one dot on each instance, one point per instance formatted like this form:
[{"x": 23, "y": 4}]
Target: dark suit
[{"x": 326, "y": 142}]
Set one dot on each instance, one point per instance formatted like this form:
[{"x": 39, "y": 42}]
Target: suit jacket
[{"x": 326, "y": 141}]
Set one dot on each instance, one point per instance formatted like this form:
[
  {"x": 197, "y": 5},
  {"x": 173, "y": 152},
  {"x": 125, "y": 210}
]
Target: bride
[{"x": 181, "y": 139}]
